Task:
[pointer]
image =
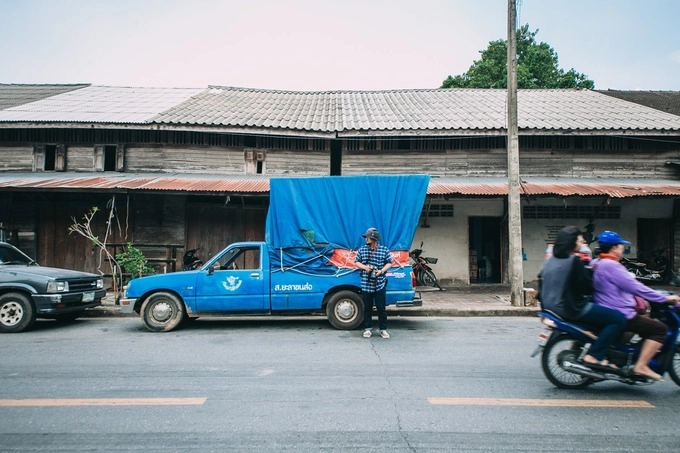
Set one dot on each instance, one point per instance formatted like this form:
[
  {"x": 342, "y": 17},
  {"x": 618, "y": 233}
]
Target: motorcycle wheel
[
  {"x": 428, "y": 278},
  {"x": 419, "y": 277},
  {"x": 560, "y": 348},
  {"x": 674, "y": 369}
]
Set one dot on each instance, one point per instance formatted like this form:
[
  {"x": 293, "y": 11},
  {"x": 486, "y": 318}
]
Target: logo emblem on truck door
[{"x": 232, "y": 283}]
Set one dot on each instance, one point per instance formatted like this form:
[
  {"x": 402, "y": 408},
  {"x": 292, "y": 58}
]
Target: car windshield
[{"x": 12, "y": 255}]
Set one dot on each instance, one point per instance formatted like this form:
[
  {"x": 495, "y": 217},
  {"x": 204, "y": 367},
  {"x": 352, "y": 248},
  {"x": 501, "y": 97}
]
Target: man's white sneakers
[{"x": 367, "y": 333}]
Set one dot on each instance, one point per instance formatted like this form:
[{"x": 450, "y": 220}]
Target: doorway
[
  {"x": 485, "y": 249},
  {"x": 654, "y": 241}
]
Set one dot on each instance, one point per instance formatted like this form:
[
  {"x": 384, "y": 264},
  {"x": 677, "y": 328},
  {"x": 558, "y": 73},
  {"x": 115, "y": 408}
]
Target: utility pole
[{"x": 516, "y": 273}]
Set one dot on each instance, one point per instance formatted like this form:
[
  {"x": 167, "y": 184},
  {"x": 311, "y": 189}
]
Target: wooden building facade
[{"x": 180, "y": 179}]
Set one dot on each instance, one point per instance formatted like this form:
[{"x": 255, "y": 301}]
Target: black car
[{"x": 29, "y": 291}]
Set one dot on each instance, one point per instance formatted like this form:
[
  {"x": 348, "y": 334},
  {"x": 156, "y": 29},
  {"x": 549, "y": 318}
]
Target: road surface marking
[
  {"x": 57, "y": 402},
  {"x": 538, "y": 402}
]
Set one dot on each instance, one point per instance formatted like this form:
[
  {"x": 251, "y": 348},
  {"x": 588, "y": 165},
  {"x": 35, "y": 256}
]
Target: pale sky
[{"x": 325, "y": 44}]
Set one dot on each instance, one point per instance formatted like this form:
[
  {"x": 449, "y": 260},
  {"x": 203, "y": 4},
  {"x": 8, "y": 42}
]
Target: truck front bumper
[
  {"x": 64, "y": 303},
  {"x": 127, "y": 305}
]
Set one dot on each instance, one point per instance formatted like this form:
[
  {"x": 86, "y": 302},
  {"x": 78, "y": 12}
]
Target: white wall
[
  {"x": 447, "y": 237},
  {"x": 538, "y": 233}
]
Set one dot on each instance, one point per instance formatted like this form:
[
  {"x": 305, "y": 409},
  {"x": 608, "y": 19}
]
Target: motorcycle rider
[
  {"x": 614, "y": 287},
  {"x": 563, "y": 283}
]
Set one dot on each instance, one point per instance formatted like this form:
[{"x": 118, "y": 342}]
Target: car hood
[{"x": 49, "y": 272}]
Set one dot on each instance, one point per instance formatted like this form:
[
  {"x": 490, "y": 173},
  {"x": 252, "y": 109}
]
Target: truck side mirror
[{"x": 211, "y": 270}]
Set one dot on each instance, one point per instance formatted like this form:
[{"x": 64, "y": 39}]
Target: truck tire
[
  {"x": 16, "y": 313},
  {"x": 162, "y": 312},
  {"x": 345, "y": 310}
]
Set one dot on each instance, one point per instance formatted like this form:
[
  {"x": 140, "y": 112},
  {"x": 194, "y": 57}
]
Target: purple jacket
[{"x": 614, "y": 287}]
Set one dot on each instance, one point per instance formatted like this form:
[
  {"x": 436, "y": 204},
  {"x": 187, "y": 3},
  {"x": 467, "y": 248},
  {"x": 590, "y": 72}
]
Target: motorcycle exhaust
[{"x": 583, "y": 370}]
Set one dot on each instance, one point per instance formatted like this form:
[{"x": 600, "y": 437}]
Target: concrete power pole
[{"x": 516, "y": 273}]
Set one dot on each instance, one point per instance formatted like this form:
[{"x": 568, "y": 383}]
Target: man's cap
[
  {"x": 610, "y": 238},
  {"x": 372, "y": 233}
]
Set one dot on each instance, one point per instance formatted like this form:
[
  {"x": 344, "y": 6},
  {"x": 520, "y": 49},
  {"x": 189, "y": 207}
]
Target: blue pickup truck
[{"x": 306, "y": 263}]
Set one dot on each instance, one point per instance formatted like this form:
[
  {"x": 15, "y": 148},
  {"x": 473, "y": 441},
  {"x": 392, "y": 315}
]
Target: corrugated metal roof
[
  {"x": 616, "y": 188},
  {"x": 468, "y": 186},
  {"x": 121, "y": 181},
  {"x": 12, "y": 94},
  {"x": 100, "y": 104},
  {"x": 347, "y": 113}
]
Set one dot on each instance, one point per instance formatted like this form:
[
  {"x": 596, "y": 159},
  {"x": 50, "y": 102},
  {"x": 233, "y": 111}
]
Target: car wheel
[
  {"x": 162, "y": 312},
  {"x": 345, "y": 310},
  {"x": 16, "y": 313}
]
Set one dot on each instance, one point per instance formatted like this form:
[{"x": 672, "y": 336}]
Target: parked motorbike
[
  {"x": 191, "y": 261},
  {"x": 423, "y": 272},
  {"x": 657, "y": 270},
  {"x": 563, "y": 344}
]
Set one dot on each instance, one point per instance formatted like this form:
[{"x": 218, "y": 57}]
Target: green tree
[
  {"x": 537, "y": 67},
  {"x": 133, "y": 261}
]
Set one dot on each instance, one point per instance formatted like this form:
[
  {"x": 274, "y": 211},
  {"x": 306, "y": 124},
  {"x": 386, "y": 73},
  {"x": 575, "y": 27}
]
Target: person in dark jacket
[{"x": 564, "y": 282}]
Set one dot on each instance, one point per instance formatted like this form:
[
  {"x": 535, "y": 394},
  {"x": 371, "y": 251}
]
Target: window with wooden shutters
[
  {"x": 254, "y": 160},
  {"x": 39, "y": 158},
  {"x": 49, "y": 158},
  {"x": 109, "y": 158},
  {"x": 60, "y": 158}
]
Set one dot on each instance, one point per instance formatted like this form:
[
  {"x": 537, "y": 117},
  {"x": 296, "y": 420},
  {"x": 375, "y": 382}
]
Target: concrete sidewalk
[{"x": 476, "y": 300}]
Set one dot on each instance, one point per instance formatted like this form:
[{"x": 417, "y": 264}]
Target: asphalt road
[{"x": 266, "y": 384}]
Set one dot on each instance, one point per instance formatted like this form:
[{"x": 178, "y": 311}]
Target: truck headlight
[
  {"x": 100, "y": 283},
  {"x": 57, "y": 287}
]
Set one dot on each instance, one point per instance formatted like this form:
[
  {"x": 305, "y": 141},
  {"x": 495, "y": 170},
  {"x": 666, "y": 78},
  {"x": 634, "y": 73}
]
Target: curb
[
  {"x": 465, "y": 313},
  {"x": 115, "y": 312}
]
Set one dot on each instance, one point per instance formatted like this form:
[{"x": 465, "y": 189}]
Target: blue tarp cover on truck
[{"x": 310, "y": 217}]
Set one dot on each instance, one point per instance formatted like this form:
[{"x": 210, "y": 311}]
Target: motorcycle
[
  {"x": 657, "y": 270},
  {"x": 191, "y": 261},
  {"x": 423, "y": 272},
  {"x": 641, "y": 271},
  {"x": 563, "y": 344}
]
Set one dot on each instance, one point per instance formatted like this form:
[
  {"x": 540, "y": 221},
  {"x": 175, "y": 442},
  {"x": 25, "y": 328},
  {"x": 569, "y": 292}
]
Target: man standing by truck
[{"x": 373, "y": 260}]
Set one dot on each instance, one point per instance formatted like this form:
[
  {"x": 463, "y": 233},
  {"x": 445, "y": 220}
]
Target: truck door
[{"x": 234, "y": 283}]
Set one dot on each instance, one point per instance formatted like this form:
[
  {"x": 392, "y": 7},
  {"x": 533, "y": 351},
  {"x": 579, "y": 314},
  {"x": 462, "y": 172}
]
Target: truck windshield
[
  {"x": 12, "y": 255},
  {"x": 240, "y": 258}
]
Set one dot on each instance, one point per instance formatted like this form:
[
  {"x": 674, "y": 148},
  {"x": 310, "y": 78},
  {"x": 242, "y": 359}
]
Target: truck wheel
[
  {"x": 16, "y": 313},
  {"x": 162, "y": 312},
  {"x": 345, "y": 310}
]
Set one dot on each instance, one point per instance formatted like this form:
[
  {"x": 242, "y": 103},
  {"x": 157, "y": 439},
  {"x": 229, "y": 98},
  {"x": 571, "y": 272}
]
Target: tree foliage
[
  {"x": 133, "y": 261},
  {"x": 537, "y": 67}
]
